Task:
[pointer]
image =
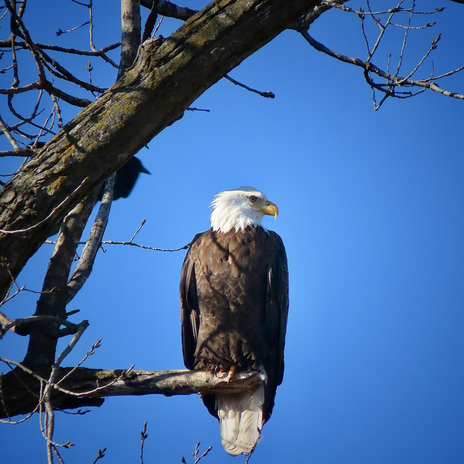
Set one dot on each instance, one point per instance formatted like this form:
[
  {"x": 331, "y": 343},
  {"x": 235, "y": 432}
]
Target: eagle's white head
[{"x": 237, "y": 209}]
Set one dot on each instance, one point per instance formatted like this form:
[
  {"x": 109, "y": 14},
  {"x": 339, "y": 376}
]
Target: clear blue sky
[{"x": 371, "y": 213}]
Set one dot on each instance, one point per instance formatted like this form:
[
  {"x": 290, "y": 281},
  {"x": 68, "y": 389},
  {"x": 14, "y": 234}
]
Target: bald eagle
[{"x": 234, "y": 306}]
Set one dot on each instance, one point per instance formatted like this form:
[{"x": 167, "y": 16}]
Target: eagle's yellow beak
[{"x": 270, "y": 209}]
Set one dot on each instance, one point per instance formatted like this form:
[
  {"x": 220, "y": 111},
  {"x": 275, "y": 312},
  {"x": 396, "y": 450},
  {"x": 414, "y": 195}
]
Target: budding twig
[{"x": 263, "y": 94}]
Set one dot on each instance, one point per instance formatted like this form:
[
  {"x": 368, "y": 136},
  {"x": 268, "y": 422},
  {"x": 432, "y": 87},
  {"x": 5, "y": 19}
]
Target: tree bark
[
  {"x": 131, "y": 31},
  {"x": 168, "y": 75}
]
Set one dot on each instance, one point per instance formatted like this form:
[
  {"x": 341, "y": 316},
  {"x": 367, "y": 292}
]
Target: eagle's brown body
[{"x": 234, "y": 299}]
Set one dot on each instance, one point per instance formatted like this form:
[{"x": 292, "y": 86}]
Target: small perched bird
[
  {"x": 126, "y": 177},
  {"x": 234, "y": 306}
]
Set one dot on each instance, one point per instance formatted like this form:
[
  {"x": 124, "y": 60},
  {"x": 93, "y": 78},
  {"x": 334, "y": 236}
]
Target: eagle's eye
[{"x": 252, "y": 198}]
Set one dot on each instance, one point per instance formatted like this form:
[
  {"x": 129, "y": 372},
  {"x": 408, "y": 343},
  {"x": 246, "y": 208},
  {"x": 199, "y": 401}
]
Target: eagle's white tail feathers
[{"x": 240, "y": 419}]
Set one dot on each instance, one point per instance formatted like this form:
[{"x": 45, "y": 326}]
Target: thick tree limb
[
  {"x": 166, "y": 78},
  {"x": 173, "y": 382},
  {"x": 20, "y": 392}
]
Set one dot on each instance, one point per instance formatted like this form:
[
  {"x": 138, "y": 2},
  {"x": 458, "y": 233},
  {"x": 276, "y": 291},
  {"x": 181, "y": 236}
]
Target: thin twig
[
  {"x": 8, "y": 135},
  {"x": 100, "y": 455},
  {"x": 201, "y": 456},
  {"x": 8, "y": 297},
  {"x": 80, "y": 330},
  {"x": 138, "y": 230},
  {"x": 60, "y": 32},
  {"x": 62, "y": 73},
  {"x": 433, "y": 45},
  {"x": 27, "y": 39},
  {"x": 113, "y": 242},
  {"x": 347, "y": 9},
  {"x": 89, "y": 353},
  {"x": 403, "y": 45},
  {"x": 263, "y": 94},
  {"x": 192, "y": 108},
  {"x": 144, "y": 247},
  {"x": 143, "y": 437},
  {"x": 73, "y": 51}
]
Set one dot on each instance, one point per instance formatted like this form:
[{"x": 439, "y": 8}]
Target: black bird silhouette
[{"x": 126, "y": 177}]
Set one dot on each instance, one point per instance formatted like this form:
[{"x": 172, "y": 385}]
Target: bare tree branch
[
  {"x": 22, "y": 326},
  {"x": 145, "y": 247},
  {"x": 315, "y": 12},
  {"x": 170, "y": 10},
  {"x": 85, "y": 264},
  {"x": 63, "y": 73},
  {"x": 131, "y": 32},
  {"x": 259, "y": 92},
  {"x": 196, "y": 454},
  {"x": 21, "y": 153},
  {"x": 27, "y": 38},
  {"x": 7, "y": 43},
  {"x": 151, "y": 21},
  {"x": 394, "y": 85},
  {"x": 8, "y": 135},
  {"x": 392, "y": 81},
  {"x": 20, "y": 393},
  {"x": 100, "y": 455},
  {"x": 143, "y": 437}
]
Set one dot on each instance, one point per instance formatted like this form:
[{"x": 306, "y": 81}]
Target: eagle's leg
[
  {"x": 232, "y": 371},
  {"x": 220, "y": 371}
]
